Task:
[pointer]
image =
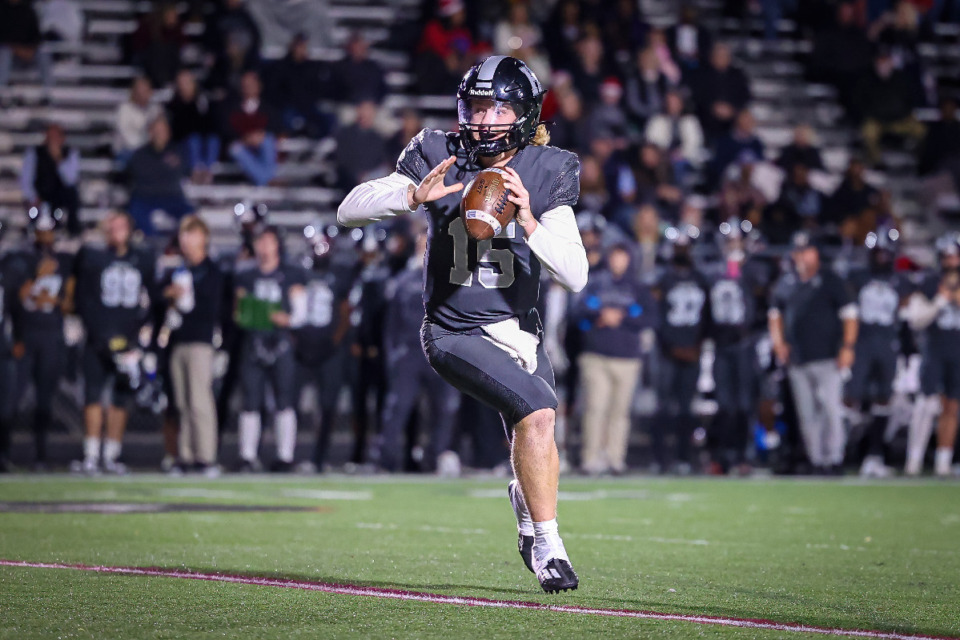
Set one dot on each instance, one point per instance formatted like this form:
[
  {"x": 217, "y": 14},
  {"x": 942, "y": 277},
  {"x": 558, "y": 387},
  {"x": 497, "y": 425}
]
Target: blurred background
[{"x": 716, "y": 129}]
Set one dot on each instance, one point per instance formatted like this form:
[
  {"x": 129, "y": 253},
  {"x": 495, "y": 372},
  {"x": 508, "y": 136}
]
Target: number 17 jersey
[{"x": 470, "y": 283}]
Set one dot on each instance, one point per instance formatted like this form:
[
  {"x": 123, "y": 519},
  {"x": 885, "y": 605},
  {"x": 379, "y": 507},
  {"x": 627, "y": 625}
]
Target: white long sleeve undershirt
[{"x": 556, "y": 240}]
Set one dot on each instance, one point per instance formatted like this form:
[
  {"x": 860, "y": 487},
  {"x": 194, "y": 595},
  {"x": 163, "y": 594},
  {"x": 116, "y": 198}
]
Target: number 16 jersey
[{"x": 470, "y": 283}]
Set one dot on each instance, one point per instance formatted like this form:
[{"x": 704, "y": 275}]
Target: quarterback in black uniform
[
  {"x": 44, "y": 288},
  {"x": 112, "y": 282},
  {"x": 481, "y": 332}
]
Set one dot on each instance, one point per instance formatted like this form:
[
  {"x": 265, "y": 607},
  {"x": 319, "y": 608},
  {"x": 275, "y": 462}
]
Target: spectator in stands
[
  {"x": 940, "y": 151},
  {"x": 646, "y": 232},
  {"x": 689, "y": 41},
  {"x": 410, "y": 125},
  {"x": 50, "y": 174},
  {"x": 588, "y": 70},
  {"x": 899, "y": 31},
  {"x": 155, "y": 172},
  {"x": 157, "y": 43},
  {"x": 813, "y": 327},
  {"x": 678, "y": 134},
  {"x": 593, "y": 188},
  {"x": 885, "y": 106},
  {"x": 614, "y": 308},
  {"x": 655, "y": 181},
  {"x": 357, "y": 77},
  {"x": 608, "y": 115},
  {"x": 841, "y": 54},
  {"x": 731, "y": 147},
  {"x": 193, "y": 128},
  {"x": 361, "y": 149},
  {"x": 569, "y": 129},
  {"x": 799, "y": 200},
  {"x": 61, "y": 20},
  {"x": 296, "y": 85},
  {"x": 230, "y": 30},
  {"x": 721, "y": 91},
  {"x": 443, "y": 55},
  {"x": 853, "y": 197},
  {"x": 516, "y": 35},
  {"x": 565, "y": 27},
  {"x": 20, "y": 42},
  {"x": 193, "y": 296},
  {"x": 801, "y": 150},
  {"x": 254, "y": 147},
  {"x": 739, "y": 198},
  {"x": 646, "y": 89},
  {"x": 133, "y": 119}
]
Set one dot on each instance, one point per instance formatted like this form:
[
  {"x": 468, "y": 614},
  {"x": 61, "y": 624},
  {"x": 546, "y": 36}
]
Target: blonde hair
[
  {"x": 541, "y": 136},
  {"x": 194, "y": 223}
]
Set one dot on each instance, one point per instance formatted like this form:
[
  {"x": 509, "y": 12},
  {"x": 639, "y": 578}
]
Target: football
[{"x": 485, "y": 209}]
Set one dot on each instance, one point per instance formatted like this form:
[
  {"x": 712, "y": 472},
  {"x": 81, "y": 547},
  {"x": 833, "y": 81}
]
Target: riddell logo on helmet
[{"x": 481, "y": 92}]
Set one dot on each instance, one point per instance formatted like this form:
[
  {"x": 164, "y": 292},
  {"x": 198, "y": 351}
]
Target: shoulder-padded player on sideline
[{"x": 482, "y": 333}]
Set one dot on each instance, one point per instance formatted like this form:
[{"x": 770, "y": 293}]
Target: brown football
[{"x": 485, "y": 209}]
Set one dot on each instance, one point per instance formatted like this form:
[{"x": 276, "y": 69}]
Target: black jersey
[
  {"x": 113, "y": 292},
  {"x": 49, "y": 272},
  {"x": 326, "y": 289},
  {"x": 878, "y": 299},
  {"x": 811, "y": 314},
  {"x": 732, "y": 310},
  {"x": 273, "y": 287},
  {"x": 684, "y": 307},
  {"x": 943, "y": 336},
  {"x": 471, "y": 283},
  {"x": 404, "y": 310},
  {"x": 6, "y": 304}
]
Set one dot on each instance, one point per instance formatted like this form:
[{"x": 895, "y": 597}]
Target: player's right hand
[{"x": 432, "y": 188}]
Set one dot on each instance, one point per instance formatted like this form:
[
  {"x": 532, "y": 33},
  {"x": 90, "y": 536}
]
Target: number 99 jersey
[{"x": 470, "y": 283}]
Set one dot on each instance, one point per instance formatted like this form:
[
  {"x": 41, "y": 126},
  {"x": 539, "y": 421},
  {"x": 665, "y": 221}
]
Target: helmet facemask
[{"x": 493, "y": 139}]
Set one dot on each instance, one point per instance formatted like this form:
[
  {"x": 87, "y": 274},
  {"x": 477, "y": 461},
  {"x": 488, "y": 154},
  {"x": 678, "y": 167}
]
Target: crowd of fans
[{"x": 684, "y": 211}]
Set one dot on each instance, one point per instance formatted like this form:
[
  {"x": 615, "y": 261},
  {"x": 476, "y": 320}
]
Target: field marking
[{"x": 437, "y": 598}]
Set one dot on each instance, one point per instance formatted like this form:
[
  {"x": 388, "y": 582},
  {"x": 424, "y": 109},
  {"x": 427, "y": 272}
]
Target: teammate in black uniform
[
  {"x": 481, "y": 331},
  {"x": 879, "y": 293},
  {"x": 7, "y": 364},
  {"x": 685, "y": 313},
  {"x": 320, "y": 340},
  {"x": 44, "y": 287},
  {"x": 268, "y": 348},
  {"x": 407, "y": 372},
  {"x": 935, "y": 310},
  {"x": 113, "y": 284},
  {"x": 735, "y": 370}
]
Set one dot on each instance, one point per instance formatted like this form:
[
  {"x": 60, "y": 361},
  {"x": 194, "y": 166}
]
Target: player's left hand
[{"x": 521, "y": 198}]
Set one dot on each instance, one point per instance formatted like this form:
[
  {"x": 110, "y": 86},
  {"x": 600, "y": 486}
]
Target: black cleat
[
  {"x": 525, "y": 546},
  {"x": 557, "y": 575}
]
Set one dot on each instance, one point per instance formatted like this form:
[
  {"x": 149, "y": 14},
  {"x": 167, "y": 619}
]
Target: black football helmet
[
  {"x": 882, "y": 245},
  {"x": 505, "y": 81},
  {"x": 44, "y": 218}
]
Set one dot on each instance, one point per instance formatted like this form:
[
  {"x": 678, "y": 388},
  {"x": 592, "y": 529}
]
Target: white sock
[
  {"x": 921, "y": 425},
  {"x": 547, "y": 544},
  {"x": 943, "y": 460},
  {"x": 111, "y": 450},
  {"x": 520, "y": 510},
  {"x": 286, "y": 431},
  {"x": 249, "y": 435},
  {"x": 91, "y": 449}
]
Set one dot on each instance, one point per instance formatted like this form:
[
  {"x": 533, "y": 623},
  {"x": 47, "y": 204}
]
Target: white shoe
[
  {"x": 913, "y": 468},
  {"x": 86, "y": 467},
  {"x": 115, "y": 468},
  {"x": 448, "y": 465},
  {"x": 873, "y": 467}
]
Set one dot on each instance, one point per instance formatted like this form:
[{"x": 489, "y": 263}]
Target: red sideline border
[{"x": 436, "y": 598}]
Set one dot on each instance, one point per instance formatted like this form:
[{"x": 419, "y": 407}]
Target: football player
[
  {"x": 7, "y": 364},
  {"x": 44, "y": 290},
  {"x": 113, "y": 283},
  {"x": 684, "y": 316},
  {"x": 935, "y": 310},
  {"x": 481, "y": 332},
  {"x": 270, "y": 302},
  {"x": 879, "y": 294},
  {"x": 319, "y": 341},
  {"x": 407, "y": 372}
]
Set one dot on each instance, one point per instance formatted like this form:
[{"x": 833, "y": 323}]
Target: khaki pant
[
  {"x": 608, "y": 384},
  {"x": 817, "y": 394},
  {"x": 873, "y": 130},
  {"x": 191, "y": 372}
]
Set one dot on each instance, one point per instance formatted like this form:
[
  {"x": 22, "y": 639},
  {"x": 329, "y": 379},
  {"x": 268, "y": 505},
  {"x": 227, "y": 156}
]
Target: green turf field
[{"x": 879, "y": 556}]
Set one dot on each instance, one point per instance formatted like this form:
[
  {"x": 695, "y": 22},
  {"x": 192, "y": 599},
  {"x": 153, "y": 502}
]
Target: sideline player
[{"x": 481, "y": 332}]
